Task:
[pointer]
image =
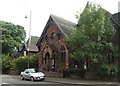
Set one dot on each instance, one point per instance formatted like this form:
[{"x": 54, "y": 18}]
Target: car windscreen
[{"x": 33, "y": 70}]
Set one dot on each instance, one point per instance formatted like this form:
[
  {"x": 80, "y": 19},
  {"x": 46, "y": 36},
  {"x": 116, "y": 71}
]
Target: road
[
  {"x": 16, "y": 81},
  {"x": 8, "y": 80}
]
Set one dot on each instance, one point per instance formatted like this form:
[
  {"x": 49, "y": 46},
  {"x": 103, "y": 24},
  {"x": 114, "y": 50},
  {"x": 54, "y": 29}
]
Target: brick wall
[{"x": 50, "y": 42}]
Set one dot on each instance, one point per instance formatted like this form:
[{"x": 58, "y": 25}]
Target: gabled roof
[
  {"x": 24, "y": 46},
  {"x": 65, "y": 26},
  {"x": 21, "y": 47},
  {"x": 33, "y": 42},
  {"x": 32, "y": 46}
]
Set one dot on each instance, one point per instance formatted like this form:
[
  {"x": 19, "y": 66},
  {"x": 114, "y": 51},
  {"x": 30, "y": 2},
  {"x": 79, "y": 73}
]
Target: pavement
[{"x": 81, "y": 82}]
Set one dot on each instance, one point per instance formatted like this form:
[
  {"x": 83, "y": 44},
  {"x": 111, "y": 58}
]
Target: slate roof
[
  {"x": 24, "y": 47},
  {"x": 116, "y": 18},
  {"x": 33, "y": 43},
  {"x": 65, "y": 26},
  {"x": 15, "y": 54},
  {"x": 21, "y": 47},
  {"x": 32, "y": 46}
]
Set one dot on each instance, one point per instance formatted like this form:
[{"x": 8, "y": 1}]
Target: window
[
  {"x": 46, "y": 38},
  {"x": 63, "y": 54},
  {"x": 53, "y": 64},
  {"x": 46, "y": 57},
  {"x": 58, "y": 36},
  {"x": 27, "y": 71},
  {"x": 44, "y": 60},
  {"x": 53, "y": 36},
  {"x": 33, "y": 70}
]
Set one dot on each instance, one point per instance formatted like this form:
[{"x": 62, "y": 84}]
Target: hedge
[
  {"x": 75, "y": 71},
  {"x": 18, "y": 64},
  {"x": 7, "y": 63},
  {"x": 22, "y": 63}
]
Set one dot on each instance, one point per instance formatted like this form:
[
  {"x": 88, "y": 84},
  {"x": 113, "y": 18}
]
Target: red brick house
[
  {"x": 23, "y": 48},
  {"x": 54, "y": 55}
]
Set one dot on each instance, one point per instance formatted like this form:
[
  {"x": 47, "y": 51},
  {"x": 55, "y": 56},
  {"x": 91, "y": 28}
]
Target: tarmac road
[{"x": 9, "y": 80}]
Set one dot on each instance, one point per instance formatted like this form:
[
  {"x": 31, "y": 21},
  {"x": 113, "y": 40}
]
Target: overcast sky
[{"x": 14, "y": 11}]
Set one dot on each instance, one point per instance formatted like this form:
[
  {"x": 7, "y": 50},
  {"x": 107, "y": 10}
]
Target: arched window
[
  {"x": 47, "y": 56},
  {"x": 63, "y": 54},
  {"x": 55, "y": 36},
  {"x": 53, "y": 60}
]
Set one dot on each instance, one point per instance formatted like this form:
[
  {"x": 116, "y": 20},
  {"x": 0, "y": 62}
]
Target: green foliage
[
  {"x": 18, "y": 64},
  {"x": 34, "y": 61},
  {"x": 94, "y": 36},
  {"x": 75, "y": 71},
  {"x": 7, "y": 63},
  {"x": 21, "y": 64},
  {"x": 94, "y": 40},
  {"x": 108, "y": 70},
  {"x": 12, "y": 36}
]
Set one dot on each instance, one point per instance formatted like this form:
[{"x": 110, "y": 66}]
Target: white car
[{"x": 32, "y": 74}]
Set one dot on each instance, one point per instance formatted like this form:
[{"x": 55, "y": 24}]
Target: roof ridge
[
  {"x": 34, "y": 36},
  {"x": 62, "y": 18},
  {"x": 65, "y": 25}
]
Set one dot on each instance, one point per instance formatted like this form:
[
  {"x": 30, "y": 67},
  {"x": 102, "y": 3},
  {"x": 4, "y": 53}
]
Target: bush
[
  {"x": 34, "y": 61},
  {"x": 75, "y": 71},
  {"x": 7, "y": 63},
  {"x": 108, "y": 71},
  {"x": 21, "y": 64}
]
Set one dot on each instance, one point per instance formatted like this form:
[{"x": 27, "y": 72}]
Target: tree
[
  {"x": 12, "y": 35},
  {"x": 93, "y": 39}
]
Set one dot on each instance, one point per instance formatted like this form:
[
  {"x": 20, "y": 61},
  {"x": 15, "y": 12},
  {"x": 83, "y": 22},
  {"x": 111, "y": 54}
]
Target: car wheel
[
  {"x": 21, "y": 77},
  {"x": 32, "y": 79}
]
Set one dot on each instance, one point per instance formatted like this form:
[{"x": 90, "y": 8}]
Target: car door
[{"x": 27, "y": 74}]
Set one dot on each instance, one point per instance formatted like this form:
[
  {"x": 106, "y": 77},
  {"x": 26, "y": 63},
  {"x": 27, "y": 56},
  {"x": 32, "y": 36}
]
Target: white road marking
[
  {"x": 8, "y": 83},
  {"x": 5, "y": 83}
]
